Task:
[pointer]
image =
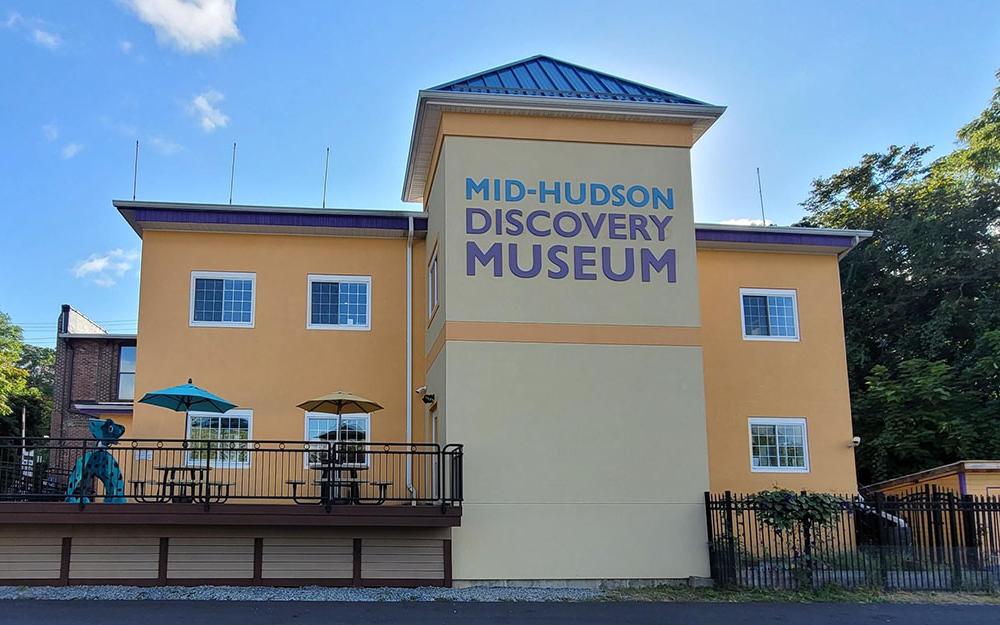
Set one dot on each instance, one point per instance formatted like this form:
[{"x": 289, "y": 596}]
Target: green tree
[
  {"x": 13, "y": 379},
  {"x": 922, "y": 298}
]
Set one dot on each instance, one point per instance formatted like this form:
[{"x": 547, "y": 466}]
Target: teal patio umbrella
[{"x": 185, "y": 397}]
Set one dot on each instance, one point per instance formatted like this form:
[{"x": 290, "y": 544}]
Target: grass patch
[{"x": 828, "y": 594}]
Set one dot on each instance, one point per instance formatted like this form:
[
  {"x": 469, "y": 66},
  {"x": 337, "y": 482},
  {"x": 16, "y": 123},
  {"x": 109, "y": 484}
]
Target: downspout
[{"x": 409, "y": 358}]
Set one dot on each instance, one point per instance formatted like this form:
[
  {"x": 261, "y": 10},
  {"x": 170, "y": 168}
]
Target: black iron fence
[
  {"x": 923, "y": 540},
  {"x": 230, "y": 471}
]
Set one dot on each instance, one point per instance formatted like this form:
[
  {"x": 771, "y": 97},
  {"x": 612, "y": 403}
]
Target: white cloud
[
  {"x": 46, "y": 39},
  {"x": 105, "y": 269},
  {"x": 125, "y": 46},
  {"x": 50, "y": 132},
  {"x": 13, "y": 19},
  {"x": 190, "y": 25},
  {"x": 71, "y": 149},
  {"x": 165, "y": 146},
  {"x": 203, "y": 107},
  {"x": 745, "y": 221}
]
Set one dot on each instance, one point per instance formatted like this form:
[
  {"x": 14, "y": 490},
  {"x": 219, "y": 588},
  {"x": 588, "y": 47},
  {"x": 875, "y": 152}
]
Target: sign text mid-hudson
[{"x": 564, "y": 239}]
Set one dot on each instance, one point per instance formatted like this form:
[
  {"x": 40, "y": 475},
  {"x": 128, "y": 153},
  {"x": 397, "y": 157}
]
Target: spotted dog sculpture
[{"x": 98, "y": 465}]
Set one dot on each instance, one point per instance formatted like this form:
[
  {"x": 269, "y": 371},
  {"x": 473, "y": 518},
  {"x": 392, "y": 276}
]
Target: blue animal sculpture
[{"x": 98, "y": 465}]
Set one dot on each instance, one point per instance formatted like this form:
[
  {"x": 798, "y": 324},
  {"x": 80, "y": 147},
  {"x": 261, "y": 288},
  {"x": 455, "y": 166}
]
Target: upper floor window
[
  {"x": 778, "y": 446},
  {"x": 222, "y": 299},
  {"x": 432, "y": 286},
  {"x": 228, "y": 433},
  {"x": 769, "y": 315},
  {"x": 126, "y": 372},
  {"x": 340, "y": 302}
]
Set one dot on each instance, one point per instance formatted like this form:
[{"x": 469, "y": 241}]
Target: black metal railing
[
  {"x": 923, "y": 540},
  {"x": 230, "y": 471}
]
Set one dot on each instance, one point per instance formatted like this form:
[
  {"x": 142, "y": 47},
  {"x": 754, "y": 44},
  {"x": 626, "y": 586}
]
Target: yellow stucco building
[{"x": 551, "y": 305}]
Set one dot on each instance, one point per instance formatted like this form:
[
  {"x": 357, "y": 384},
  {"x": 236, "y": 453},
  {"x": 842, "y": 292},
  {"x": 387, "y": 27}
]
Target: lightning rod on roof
[
  {"x": 232, "y": 175},
  {"x": 760, "y": 193},
  {"x": 135, "y": 169},
  {"x": 326, "y": 172}
]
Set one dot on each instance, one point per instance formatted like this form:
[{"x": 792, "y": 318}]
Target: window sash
[
  {"x": 339, "y": 303},
  {"x": 354, "y": 428},
  {"x": 779, "y": 445},
  {"x": 233, "y": 427},
  {"x": 769, "y": 315},
  {"x": 126, "y": 373},
  {"x": 220, "y": 299},
  {"x": 432, "y": 286}
]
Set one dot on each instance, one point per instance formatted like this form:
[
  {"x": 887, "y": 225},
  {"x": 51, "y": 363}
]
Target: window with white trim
[
  {"x": 778, "y": 445},
  {"x": 339, "y": 302},
  {"x": 222, "y": 299},
  {"x": 432, "y": 285},
  {"x": 355, "y": 430},
  {"x": 769, "y": 315},
  {"x": 228, "y": 433},
  {"x": 126, "y": 372}
]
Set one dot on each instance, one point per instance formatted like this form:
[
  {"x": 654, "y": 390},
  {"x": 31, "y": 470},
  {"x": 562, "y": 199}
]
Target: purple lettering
[
  {"x": 616, "y": 223},
  {"x": 494, "y": 254},
  {"x": 609, "y": 272},
  {"x": 637, "y": 224},
  {"x": 580, "y": 263},
  {"x": 667, "y": 261},
  {"x": 470, "y": 227},
  {"x": 661, "y": 225},
  {"x": 573, "y": 217},
  {"x": 557, "y": 260},
  {"x": 592, "y": 226},
  {"x": 536, "y": 261}
]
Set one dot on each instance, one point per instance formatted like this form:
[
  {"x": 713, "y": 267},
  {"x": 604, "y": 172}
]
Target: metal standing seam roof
[{"x": 545, "y": 76}]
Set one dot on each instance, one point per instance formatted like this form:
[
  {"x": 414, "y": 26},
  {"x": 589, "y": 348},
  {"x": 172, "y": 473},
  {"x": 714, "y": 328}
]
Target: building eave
[
  {"x": 432, "y": 104},
  {"x": 774, "y": 238},
  {"x": 142, "y": 216}
]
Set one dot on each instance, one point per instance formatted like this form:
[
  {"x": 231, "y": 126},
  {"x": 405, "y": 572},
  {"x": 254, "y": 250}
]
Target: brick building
[{"x": 95, "y": 375}]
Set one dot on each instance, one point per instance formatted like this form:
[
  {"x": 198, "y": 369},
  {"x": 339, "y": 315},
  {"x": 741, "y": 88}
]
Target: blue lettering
[
  {"x": 536, "y": 261},
  {"x": 482, "y": 188},
  {"x": 492, "y": 255},
  {"x": 609, "y": 272},
  {"x": 667, "y": 261},
  {"x": 569, "y": 195},
  {"x": 553, "y": 192},
  {"x": 643, "y": 196},
  {"x": 596, "y": 187},
  {"x": 618, "y": 193},
  {"x": 580, "y": 263},
  {"x": 470, "y": 227},
  {"x": 666, "y": 200},
  {"x": 557, "y": 260},
  {"x": 509, "y": 190}
]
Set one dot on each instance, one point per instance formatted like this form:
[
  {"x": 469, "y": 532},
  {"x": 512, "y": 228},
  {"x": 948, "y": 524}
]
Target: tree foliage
[
  {"x": 27, "y": 376},
  {"x": 922, "y": 298}
]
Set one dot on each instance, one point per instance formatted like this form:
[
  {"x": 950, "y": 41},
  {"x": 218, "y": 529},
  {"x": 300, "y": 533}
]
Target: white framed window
[
  {"x": 339, "y": 302},
  {"x": 126, "y": 373},
  {"x": 769, "y": 314},
  {"x": 432, "y": 285},
  {"x": 354, "y": 428},
  {"x": 222, "y": 299},
  {"x": 778, "y": 445},
  {"x": 229, "y": 433}
]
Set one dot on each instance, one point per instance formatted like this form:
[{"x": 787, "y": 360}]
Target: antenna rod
[
  {"x": 326, "y": 172},
  {"x": 135, "y": 169},
  {"x": 232, "y": 175},
  {"x": 763, "y": 220}
]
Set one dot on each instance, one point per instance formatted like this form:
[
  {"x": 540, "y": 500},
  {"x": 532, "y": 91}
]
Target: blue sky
[{"x": 810, "y": 87}]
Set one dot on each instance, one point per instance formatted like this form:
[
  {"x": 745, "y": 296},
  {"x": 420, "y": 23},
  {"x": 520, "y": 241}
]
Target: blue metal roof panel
[{"x": 544, "y": 76}]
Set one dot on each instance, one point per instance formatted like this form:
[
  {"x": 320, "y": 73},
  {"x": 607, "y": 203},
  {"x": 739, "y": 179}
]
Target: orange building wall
[
  {"x": 278, "y": 363},
  {"x": 746, "y": 379}
]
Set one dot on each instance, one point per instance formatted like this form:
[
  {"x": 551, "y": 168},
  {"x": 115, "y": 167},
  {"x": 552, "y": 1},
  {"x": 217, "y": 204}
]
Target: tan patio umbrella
[{"x": 340, "y": 403}]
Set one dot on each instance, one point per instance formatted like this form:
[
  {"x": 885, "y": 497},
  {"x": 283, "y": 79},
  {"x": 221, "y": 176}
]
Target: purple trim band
[
  {"x": 374, "y": 222},
  {"x": 95, "y": 411},
  {"x": 963, "y": 488},
  {"x": 778, "y": 238}
]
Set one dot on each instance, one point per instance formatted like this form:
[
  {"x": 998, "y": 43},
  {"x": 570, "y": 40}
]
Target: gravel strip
[{"x": 308, "y": 593}]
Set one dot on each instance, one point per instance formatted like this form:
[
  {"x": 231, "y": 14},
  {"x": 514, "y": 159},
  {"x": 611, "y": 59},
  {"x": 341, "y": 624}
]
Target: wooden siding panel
[
  {"x": 402, "y": 559},
  {"x": 210, "y": 557},
  {"x": 313, "y": 558},
  {"x": 30, "y": 557}
]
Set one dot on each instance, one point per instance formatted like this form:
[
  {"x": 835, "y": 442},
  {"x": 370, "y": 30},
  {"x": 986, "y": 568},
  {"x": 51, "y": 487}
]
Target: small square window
[
  {"x": 339, "y": 302},
  {"x": 221, "y": 440},
  {"x": 769, "y": 315},
  {"x": 222, "y": 299},
  {"x": 354, "y": 435},
  {"x": 778, "y": 445}
]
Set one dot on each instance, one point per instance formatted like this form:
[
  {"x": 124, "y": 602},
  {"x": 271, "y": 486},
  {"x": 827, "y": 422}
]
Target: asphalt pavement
[{"x": 33, "y": 612}]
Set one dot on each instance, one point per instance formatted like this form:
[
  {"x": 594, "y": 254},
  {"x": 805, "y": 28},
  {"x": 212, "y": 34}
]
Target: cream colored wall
[
  {"x": 542, "y": 299},
  {"x": 982, "y": 484},
  {"x": 278, "y": 363},
  {"x": 746, "y": 379},
  {"x": 582, "y": 461}
]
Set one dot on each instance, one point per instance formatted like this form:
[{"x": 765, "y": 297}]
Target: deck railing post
[
  {"x": 730, "y": 575},
  {"x": 713, "y": 567},
  {"x": 956, "y": 547},
  {"x": 882, "y": 541}
]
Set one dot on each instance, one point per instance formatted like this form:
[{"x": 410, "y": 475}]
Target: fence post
[
  {"x": 882, "y": 541},
  {"x": 956, "y": 548},
  {"x": 730, "y": 574},
  {"x": 712, "y": 565},
  {"x": 970, "y": 531}
]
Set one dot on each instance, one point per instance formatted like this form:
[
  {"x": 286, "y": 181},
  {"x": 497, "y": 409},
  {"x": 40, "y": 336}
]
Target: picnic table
[{"x": 186, "y": 483}]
